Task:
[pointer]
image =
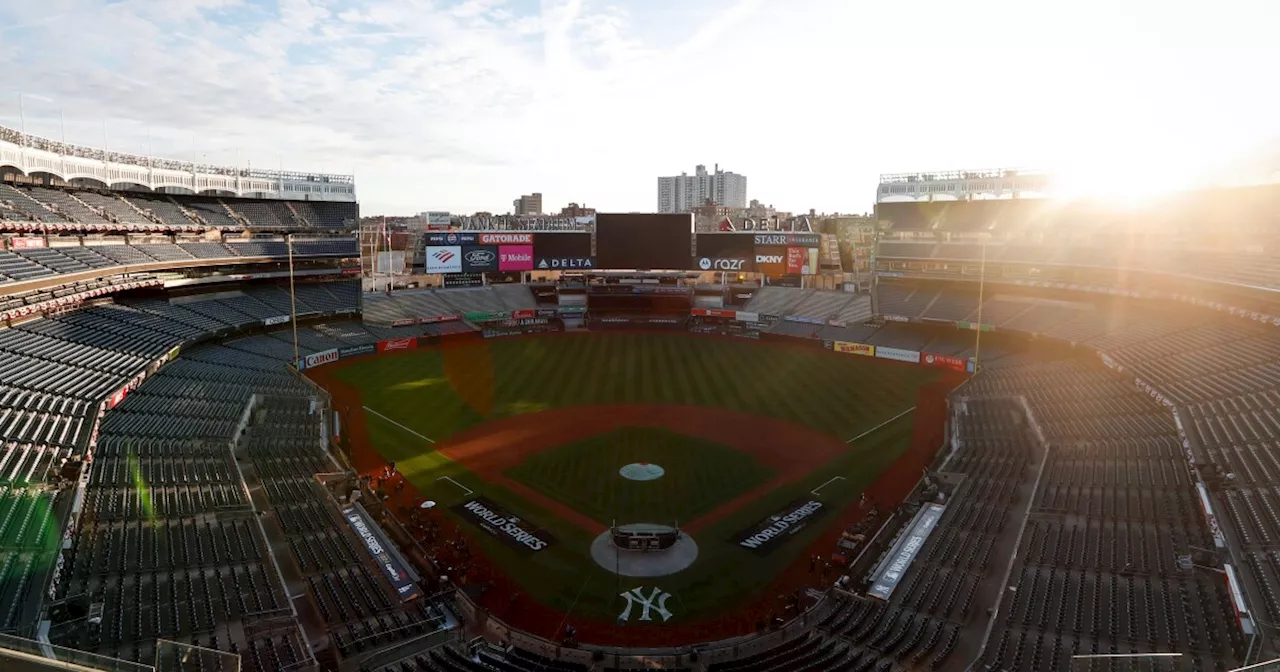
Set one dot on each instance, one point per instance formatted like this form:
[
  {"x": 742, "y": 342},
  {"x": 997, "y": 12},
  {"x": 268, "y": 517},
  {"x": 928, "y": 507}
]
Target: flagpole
[
  {"x": 22, "y": 119},
  {"x": 293, "y": 300}
]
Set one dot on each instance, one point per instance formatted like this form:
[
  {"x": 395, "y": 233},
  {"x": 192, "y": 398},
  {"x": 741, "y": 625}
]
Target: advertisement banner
[
  {"x": 797, "y": 260},
  {"x": 479, "y": 259},
  {"x": 771, "y": 260},
  {"x": 515, "y": 258},
  {"x": 523, "y": 314},
  {"x": 506, "y": 239},
  {"x": 788, "y": 239},
  {"x": 725, "y": 264},
  {"x": 900, "y": 557},
  {"x": 895, "y": 318},
  {"x": 564, "y": 263},
  {"x": 26, "y": 243},
  {"x": 357, "y": 350},
  {"x": 724, "y": 252},
  {"x": 320, "y": 358},
  {"x": 439, "y": 318},
  {"x": 451, "y": 238},
  {"x": 768, "y": 535},
  {"x": 854, "y": 348},
  {"x": 437, "y": 219},
  {"x": 944, "y": 361},
  {"x": 384, "y": 553},
  {"x": 744, "y": 316},
  {"x": 406, "y": 322},
  {"x": 397, "y": 344},
  {"x": 273, "y": 321},
  {"x": 713, "y": 312},
  {"x": 898, "y": 354},
  {"x": 521, "y": 535},
  {"x": 446, "y": 259},
  {"x": 486, "y": 317}
]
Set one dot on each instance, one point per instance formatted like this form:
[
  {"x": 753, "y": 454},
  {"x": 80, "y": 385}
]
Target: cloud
[{"x": 464, "y": 104}]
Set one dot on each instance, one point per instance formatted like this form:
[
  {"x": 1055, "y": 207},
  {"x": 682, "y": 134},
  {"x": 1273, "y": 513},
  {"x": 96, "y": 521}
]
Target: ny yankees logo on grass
[{"x": 636, "y": 596}]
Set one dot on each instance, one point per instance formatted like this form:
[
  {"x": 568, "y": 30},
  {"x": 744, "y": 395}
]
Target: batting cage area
[{"x": 723, "y": 466}]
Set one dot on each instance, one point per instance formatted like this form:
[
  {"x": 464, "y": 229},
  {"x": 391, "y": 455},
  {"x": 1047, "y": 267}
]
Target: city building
[
  {"x": 758, "y": 210},
  {"x": 713, "y": 211},
  {"x": 575, "y": 210},
  {"x": 684, "y": 192},
  {"x": 527, "y": 205}
]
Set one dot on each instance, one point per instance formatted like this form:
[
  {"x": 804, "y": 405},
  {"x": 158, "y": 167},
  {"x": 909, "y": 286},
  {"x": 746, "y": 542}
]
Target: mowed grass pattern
[
  {"x": 840, "y": 395},
  {"x": 699, "y": 475}
]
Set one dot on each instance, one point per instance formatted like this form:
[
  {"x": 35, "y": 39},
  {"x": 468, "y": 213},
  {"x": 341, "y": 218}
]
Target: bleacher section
[
  {"x": 31, "y": 263},
  {"x": 183, "y": 557},
  {"x": 88, "y": 209}
]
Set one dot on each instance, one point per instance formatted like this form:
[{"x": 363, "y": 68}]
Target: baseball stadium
[{"x": 244, "y": 428}]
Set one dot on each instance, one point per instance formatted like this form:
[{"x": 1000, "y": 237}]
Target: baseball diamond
[{"x": 542, "y": 429}]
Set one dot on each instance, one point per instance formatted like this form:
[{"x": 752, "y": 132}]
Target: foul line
[
  {"x": 831, "y": 480},
  {"x": 850, "y": 440},
  {"x": 370, "y": 410},
  {"x": 469, "y": 490}
]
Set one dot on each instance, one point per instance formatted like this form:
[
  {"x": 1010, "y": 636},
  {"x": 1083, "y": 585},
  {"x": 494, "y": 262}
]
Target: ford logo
[{"x": 479, "y": 257}]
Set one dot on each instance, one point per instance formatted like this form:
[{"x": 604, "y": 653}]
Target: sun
[{"x": 1123, "y": 166}]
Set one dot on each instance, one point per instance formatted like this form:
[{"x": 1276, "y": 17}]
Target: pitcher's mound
[
  {"x": 644, "y": 563},
  {"x": 642, "y": 471}
]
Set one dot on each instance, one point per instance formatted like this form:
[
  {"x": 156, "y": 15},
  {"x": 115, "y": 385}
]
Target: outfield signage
[
  {"x": 509, "y": 529},
  {"x": 319, "y": 358},
  {"x": 445, "y": 259},
  {"x": 944, "y": 361},
  {"x": 890, "y": 572},
  {"x": 854, "y": 348},
  {"x": 384, "y": 553},
  {"x": 506, "y": 239},
  {"x": 898, "y": 354},
  {"x": 357, "y": 350},
  {"x": 273, "y": 321},
  {"x": 771, "y": 533},
  {"x": 789, "y": 239},
  {"x": 479, "y": 259},
  {"x": 452, "y": 238},
  {"x": 397, "y": 344},
  {"x": 564, "y": 263},
  {"x": 486, "y": 317}
]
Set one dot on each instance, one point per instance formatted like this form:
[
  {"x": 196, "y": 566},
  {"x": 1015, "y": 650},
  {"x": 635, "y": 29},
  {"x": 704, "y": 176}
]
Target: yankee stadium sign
[{"x": 769, "y": 534}]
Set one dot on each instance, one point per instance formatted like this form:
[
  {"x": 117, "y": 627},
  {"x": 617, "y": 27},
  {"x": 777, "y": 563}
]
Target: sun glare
[{"x": 1125, "y": 169}]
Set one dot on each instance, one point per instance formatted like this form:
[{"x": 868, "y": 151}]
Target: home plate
[{"x": 649, "y": 563}]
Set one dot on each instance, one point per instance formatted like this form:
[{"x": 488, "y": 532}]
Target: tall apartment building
[
  {"x": 528, "y": 205},
  {"x": 684, "y": 192}
]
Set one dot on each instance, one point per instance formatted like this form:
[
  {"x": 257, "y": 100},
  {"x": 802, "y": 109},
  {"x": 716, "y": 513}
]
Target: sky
[{"x": 465, "y": 105}]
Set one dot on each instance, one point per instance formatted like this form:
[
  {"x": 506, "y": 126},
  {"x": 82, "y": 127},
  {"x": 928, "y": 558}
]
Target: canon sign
[
  {"x": 321, "y": 358},
  {"x": 708, "y": 264}
]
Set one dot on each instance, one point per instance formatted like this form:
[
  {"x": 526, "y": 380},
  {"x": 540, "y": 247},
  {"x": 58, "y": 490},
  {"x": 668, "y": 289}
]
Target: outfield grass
[
  {"x": 584, "y": 474},
  {"x": 843, "y": 396}
]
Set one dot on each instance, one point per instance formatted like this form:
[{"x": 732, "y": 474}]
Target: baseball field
[{"x": 533, "y": 447}]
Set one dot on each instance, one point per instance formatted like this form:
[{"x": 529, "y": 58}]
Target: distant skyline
[{"x": 457, "y": 106}]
